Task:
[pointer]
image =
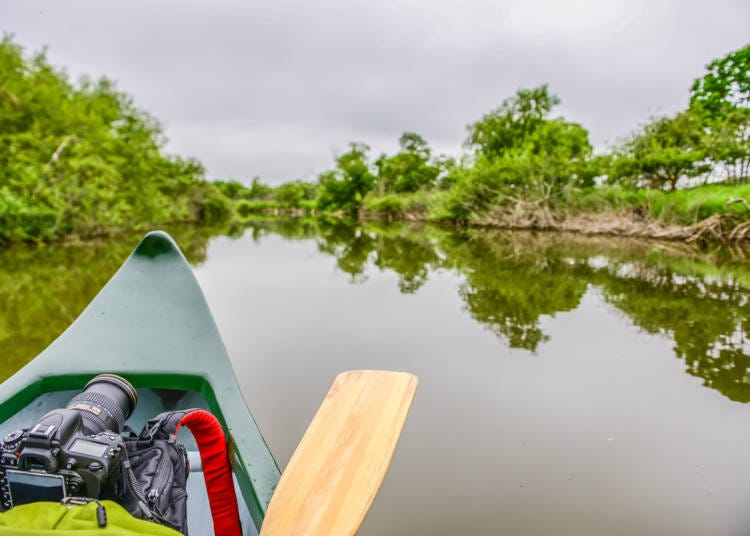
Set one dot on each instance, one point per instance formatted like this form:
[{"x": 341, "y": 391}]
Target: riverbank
[{"x": 708, "y": 213}]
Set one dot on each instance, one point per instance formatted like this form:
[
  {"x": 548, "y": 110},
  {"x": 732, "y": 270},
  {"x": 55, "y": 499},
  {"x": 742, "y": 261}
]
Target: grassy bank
[
  {"x": 717, "y": 212},
  {"x": 711, "y": 213}
]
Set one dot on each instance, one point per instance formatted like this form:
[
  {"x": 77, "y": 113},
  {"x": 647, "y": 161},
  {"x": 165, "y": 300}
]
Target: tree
[
  {"x": 344, "y": 187},
  {"x": 292, "y": 194},
  {"x": 662, "y": 152},
  {"x": 231, "y": 189},
  {"x": 82, "y": 158},
  {"x": 508, "y": 126},
  {"x": 409, "y": 170},
  {"x": 726, "y": 84},
  {"x": 722, "y": 98},
  {"x": 519, "y": 151}
]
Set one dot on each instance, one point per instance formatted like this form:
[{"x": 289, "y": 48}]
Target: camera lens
[{"x": 105, "y": 403}]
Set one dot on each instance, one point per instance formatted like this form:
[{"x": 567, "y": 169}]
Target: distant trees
[
  {"x": 726, "y": 86},
  {"x": 345, "y": 186},
  {"x": 710, "y": 138},
  {"x": 291, "y": 194},
  {"x": 294, "y": 194},
  {"x": 517, "y": 150},
  {"x": 409, "y": 170},
  {"x": 527, "y": 148},
  {"x": 722, "y": 99},
  {"x": 509, "y": 126},
  {"x": 661, "y": 153},
  {"x": 236, "y": 190}
]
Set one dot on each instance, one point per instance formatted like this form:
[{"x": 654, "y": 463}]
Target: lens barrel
[{"x": 105, "y": 403}]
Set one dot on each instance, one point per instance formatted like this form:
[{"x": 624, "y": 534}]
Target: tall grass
[{"x": 682, "y": 207}]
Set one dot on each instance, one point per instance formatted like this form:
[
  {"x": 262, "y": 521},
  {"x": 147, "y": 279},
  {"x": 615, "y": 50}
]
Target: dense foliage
[
  {"x": 664, "y": 151},
  {"x": 710, "y": 139},
  {"x": 520, "y": 152},
  {"x": 82, "y": 158},
  {"x": 409, "y": 170},
  {"x": 722, "y": 99},
  {"x": 520, "y": 155},
  {"x": 344, "y": 187}
]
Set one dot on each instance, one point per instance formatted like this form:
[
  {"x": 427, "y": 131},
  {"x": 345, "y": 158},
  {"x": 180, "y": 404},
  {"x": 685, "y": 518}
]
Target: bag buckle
[
  {"x": 152, "y": 430},
  {"x": 101, "y": 513}
]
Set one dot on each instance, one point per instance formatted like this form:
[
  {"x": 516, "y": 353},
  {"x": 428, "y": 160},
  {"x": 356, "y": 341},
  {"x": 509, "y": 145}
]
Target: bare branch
[
  {"x": 59, "y": 150},
  {"x": 738, "y": 200}
]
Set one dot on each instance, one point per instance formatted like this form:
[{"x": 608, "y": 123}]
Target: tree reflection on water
[{"x": 510, "y": 281}]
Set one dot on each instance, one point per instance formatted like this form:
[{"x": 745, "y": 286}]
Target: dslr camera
[{"x": 75, "y": 451}]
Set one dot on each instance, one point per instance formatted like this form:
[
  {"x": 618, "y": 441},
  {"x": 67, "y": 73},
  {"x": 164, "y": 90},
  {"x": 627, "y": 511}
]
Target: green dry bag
[{"x": 55, "y": 519}]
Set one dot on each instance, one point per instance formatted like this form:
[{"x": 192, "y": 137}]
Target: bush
[
  {"x": 245, "y": 208},
  {"x": 210, "y": 205},
  {"x": 82, "y": 158},
  {"x": 19, "y": 221}
]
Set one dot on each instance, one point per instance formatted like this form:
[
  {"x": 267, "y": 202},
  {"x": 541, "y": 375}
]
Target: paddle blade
[{"x": 336, "y": 471}]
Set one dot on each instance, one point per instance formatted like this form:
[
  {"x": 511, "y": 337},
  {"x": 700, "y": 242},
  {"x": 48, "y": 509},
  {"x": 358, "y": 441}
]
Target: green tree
[
  {"x": 292, "y": 194},
  {"x": 507, "y": 127},
  {"x": 344, "y": 187},
  {"x": 662, "y": 152},
  {"x": 528, "y": 150},
  {"x": 722, "y": 97},
  {"x": 409, "y": 170},
  {"x": 258, "y": 190},
  {"x": 231, "y": 189},
  {"x": 235, "y": 190},
  {"x": 726, "y": 84},
  {"x": 518, "y": 151},
  {"x": 84, "y": 159}
]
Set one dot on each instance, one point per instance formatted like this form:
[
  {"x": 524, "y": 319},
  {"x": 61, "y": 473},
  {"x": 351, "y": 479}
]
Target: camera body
[
  {"x": 56, "y": 459},
  {"x": 75, "y": 451}
]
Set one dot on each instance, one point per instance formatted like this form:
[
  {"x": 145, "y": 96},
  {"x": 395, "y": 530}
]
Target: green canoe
[{"x": 151, "y": 325}]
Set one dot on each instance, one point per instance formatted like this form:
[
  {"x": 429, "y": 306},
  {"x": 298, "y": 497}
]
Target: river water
[{"x": 567, "y": 384}]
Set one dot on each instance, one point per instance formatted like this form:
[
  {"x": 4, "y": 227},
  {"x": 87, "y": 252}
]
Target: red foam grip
[{"x": 216, "y": 470}]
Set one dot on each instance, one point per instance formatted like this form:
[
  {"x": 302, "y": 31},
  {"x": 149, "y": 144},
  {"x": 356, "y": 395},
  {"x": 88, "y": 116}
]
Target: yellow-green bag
[{"x": 55, "y": 519}]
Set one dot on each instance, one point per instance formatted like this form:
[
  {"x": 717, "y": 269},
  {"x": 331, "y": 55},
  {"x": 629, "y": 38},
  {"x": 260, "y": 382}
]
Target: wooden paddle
[{"x": 334, "y": 475}]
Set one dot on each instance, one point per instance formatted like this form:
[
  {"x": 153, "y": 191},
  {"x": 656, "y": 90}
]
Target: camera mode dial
[{"x": 12, "y": 441}]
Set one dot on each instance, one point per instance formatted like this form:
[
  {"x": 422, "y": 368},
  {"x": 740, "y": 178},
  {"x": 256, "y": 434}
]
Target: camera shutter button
[{"x": 95, "y": 466}]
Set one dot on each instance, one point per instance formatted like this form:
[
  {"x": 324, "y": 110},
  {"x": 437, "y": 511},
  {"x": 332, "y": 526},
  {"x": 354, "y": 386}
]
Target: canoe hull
[{"x": 150, "y": 324}]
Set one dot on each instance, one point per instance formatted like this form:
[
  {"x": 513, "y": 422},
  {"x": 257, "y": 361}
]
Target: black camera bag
[{"x": 156, "y": 470}]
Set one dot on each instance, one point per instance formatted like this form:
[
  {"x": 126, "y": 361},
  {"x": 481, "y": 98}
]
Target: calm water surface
[{"x": 568, "y": 385}]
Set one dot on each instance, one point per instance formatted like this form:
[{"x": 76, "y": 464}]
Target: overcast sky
[{"x": 275, "y": 88}]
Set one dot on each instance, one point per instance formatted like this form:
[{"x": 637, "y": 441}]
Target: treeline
[
  {"x": 83, "y": 159},
  {"x": 522, "y": 154}
]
